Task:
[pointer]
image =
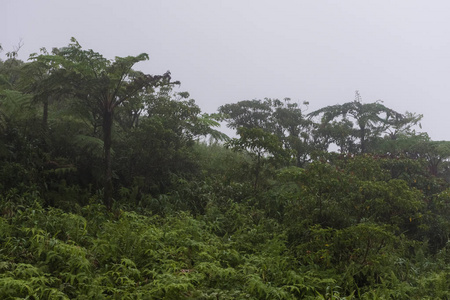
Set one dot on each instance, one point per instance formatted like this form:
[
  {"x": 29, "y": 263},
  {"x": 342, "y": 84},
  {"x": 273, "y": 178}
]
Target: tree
[
  {"x": 283, "y": 119},
  {"x": 436, "y": 153},
  {"x": 266, "y": 127},
  {"x": 249, "y": 114},
  {"x": 338, "y": 132},
  {"x": 45, "y": 82},
  {"x": 157, "y": 137},
  {"x": 294, "y": 129},
  {"x": 10, "y": 68},
  {"x": 259, "y": 143},
  {"x": 101, "y": 85},
  {"x": 372, "y": 119},
  {"x": 403, "y": 125}
]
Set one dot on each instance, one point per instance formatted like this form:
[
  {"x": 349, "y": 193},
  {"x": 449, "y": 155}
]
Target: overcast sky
[{"x": 227, "y": 51}]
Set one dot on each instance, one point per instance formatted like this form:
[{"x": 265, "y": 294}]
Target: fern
[
  {"x": 15, "y": 106},
  {"x": 91, "y": 144},
  {"x": 10, "y": 287}
]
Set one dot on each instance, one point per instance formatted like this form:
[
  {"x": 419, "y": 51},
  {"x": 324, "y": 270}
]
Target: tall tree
[
  {"x": 101, "y": 85},
  {"x": 249, "y": 114},
  {"x": 436, "y": 153},
  {"x": 282, "y": 118},
  {"x": 294, "y": 129},
  {"x": 371, "y": 119},
  {"x": 45, "y": 82},
  {"x": 403, "y": 125}
]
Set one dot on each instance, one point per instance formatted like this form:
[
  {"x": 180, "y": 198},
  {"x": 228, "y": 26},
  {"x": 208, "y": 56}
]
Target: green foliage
[
  {"x": 271, "y": 126},
  {"x": 101, "y": 85},
  {"x": 269, "y": 214},
  {"x": 365, "y": 122}
]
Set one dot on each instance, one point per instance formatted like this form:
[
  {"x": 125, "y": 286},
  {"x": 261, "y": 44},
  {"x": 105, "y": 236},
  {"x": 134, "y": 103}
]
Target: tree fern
[{"x": 89, "y": 143}]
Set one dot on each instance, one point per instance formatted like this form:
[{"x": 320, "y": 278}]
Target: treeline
[{"x": 114, "y": 185}]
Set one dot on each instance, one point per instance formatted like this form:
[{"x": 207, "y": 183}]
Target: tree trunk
[
  {"x": 107, "y": 128},
  {"x": 363, "y": 139},
  {"x": 45, "y": 114},
  {"x": 257, "y": 170}
]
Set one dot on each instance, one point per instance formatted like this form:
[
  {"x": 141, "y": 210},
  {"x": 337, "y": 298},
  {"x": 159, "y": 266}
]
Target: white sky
[{"x": 226, "y": 51}]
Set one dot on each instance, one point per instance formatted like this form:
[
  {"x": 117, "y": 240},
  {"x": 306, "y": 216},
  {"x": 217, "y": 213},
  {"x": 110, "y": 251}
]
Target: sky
[{"x": 320, "y": 51}]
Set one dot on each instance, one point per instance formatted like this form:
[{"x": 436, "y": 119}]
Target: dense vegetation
[{"x": 113, "y": 185}]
